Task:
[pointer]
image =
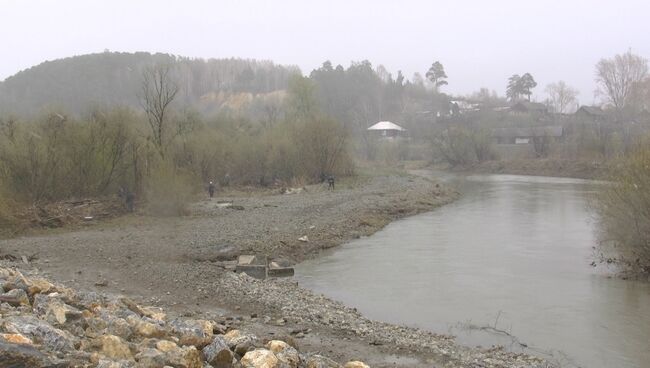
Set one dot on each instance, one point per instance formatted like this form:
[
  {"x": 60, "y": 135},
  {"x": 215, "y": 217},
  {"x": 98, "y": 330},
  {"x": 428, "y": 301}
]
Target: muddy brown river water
[{"x": 513, "y": 254}]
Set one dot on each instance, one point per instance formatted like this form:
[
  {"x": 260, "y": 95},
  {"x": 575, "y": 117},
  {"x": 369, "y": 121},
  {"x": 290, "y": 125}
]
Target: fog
[{"x": 480, "y": 43}]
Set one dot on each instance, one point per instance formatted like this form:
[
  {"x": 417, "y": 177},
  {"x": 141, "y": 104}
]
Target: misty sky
[{"x": 480, "y": 43}]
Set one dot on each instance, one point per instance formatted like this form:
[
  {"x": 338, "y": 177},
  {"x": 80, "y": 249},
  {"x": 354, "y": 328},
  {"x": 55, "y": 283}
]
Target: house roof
[
  {"x": 538, "y": 131},
  {"x": 529, "y": 106},
  {"x": 592, "y": 110},
  {"x": 386, "y": 125}
]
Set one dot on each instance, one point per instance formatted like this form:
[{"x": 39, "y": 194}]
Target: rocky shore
[{"x": 43, "y": 324}]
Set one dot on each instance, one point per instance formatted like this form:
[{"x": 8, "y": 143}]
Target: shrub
[{"x": 624, "y": 211}]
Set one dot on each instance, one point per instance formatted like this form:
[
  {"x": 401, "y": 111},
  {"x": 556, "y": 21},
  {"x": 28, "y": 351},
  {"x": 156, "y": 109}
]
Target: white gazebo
[{"x": 387, "y": 129}]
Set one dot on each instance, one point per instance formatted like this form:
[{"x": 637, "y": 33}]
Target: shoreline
[
  {"x": 539, "y": 167},
  {"x": 194, "y": 283}
]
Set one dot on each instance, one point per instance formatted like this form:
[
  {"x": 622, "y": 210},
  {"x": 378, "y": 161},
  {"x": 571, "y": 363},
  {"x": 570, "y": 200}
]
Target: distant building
[
  {"x": 386, "y": 129},
  {"x": 526, "y": 135},
  {"x": 590, "y": 113},
  {"x": 526, "y": 107}
]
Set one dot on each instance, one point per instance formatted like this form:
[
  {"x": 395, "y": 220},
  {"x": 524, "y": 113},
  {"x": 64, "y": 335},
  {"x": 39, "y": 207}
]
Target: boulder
[
  {"x": 192, "y": 332},
  {"x": 144, "y": 328},
  {"x": 54, "y": 311},
  {"x": 151, "y": 358},
  {"x": 15, "y": 297},
  {"x": 26, "y": 356},
  {"x": 355, "y": 364},
  {"x": 285, "y": 353},
  {"x": 105, "y": 363},
  {"x": 319, "y": 361},
  {"x": 218, "y": 354},
  {"x": 236, "y": 337},
  {"x": 39, "y": 286},
  {"x": 185, "y": 357},
  {"x": 150, "y": 312},
  {"x": 114, "y": 347},
  {"x": 41, "y": 332},
  {"x": 260, "y": 358},
  {"x": 15, "y": 339}
]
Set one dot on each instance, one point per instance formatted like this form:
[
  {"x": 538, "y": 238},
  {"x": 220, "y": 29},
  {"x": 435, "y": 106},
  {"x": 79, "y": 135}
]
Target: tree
[
  {"x": 618, "y": 76},
  {"x": 519, "y": 86},
  {"x": 437, "y": 75},
  {"x": 513, "y": 91},
  {"x": 561, "y": 96},
  {"x": 158, "y": 92},
  {"x": 527, "y": 83}
]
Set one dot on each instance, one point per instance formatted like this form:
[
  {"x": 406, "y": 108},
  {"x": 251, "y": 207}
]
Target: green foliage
[
  {"x": 436, "y": 74},
  {"x": 520, "y": 86},
  {"x": 624, "y": 210}
]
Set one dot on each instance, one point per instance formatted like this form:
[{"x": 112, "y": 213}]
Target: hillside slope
[{"x": 78, "y": 83}]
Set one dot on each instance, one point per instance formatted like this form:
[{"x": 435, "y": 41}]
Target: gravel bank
[{"x": 178, "y": 264}]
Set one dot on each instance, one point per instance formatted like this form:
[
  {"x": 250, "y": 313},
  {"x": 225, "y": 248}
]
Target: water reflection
[{"x": 514, "y": 247}]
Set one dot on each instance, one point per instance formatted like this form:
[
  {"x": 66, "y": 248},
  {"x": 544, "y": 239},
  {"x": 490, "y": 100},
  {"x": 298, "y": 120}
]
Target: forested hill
[{"x": 77, "y": 83}]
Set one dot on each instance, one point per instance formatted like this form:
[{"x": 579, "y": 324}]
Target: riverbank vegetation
[
  {"x": 163, "y": 126},
  {"x": 624, "y": 212}
]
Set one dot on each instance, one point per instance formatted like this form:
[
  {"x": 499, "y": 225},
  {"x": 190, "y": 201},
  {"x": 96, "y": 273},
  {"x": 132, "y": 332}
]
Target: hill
[{"x": 77, "y": 83}]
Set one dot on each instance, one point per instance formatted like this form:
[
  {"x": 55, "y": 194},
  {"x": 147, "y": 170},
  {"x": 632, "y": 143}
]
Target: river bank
[
  {"x": 178, "y": 263},
  {"x": 540, "y": 167}
]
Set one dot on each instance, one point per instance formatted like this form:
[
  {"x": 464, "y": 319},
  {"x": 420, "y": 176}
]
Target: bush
[
  {"x": 624, "y": 211},
  {"x": 168, "y": 191}
]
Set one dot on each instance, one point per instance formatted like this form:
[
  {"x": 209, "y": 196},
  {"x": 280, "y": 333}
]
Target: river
[{"x": 514, "y": 254}]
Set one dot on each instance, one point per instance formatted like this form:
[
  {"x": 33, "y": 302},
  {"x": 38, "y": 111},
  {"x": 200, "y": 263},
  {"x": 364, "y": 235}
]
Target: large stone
[
  {"x": 54, "y": 311},
  {"x": 15, "y": 339},
  {"x": 260, "y": 358},
  {"x": 285, "y": 353},
  {"x": 105, "y": 363},
  {"x": 192, "y": 332},
  {"x": 39, "y": 286},
  {"x": 185, "y": 357},
  {"x": 151, "y": 358},
  {"x": 218, "y": 354},
  {"x": 236, "y": 337},
  {"x": 41, "y": 332},
  {"x": 114, "y": 347},
  {"x": 319, "y": 361},
  {"x": 255, "y": 271},
  {"x": 150, "y": 312},
  {"x": 145, "y": 328},
  {"x": 15, "y": 297},
  {"x": 26, "y": 356},
  {"x": 355, "y": 364}
]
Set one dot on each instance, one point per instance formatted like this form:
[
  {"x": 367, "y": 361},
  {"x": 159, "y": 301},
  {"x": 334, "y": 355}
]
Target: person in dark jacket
[
  {"x": 330, "y": 182},
  {"x": 211, "y": 189}
]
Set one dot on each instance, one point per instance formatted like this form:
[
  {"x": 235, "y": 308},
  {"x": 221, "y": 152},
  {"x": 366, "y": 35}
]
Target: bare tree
[
  {"x": 561, "y": 96},
  {"x": 158, "y": 92},
  {"x": 618, "y": 76}
]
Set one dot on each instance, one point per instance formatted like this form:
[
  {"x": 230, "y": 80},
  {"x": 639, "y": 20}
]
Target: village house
[
  {"x": 526, "y": 107},
  {"x": 527, "y": 135},
  {"x": 590, "y": 113},
  {"x": 386, "y": 129}
]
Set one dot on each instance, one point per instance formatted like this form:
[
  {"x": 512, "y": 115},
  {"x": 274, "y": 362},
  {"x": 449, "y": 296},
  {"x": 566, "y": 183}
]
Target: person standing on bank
[{"x": 211, "y": 189}]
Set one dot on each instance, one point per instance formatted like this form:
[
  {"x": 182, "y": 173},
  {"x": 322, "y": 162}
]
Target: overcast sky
[{"x": 480, "y": 43}]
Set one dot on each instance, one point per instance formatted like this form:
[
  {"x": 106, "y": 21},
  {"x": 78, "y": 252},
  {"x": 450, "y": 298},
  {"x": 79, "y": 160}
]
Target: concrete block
[
  {"x": 281, "y": 272},
  {"x": 256, "y": 271}
]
